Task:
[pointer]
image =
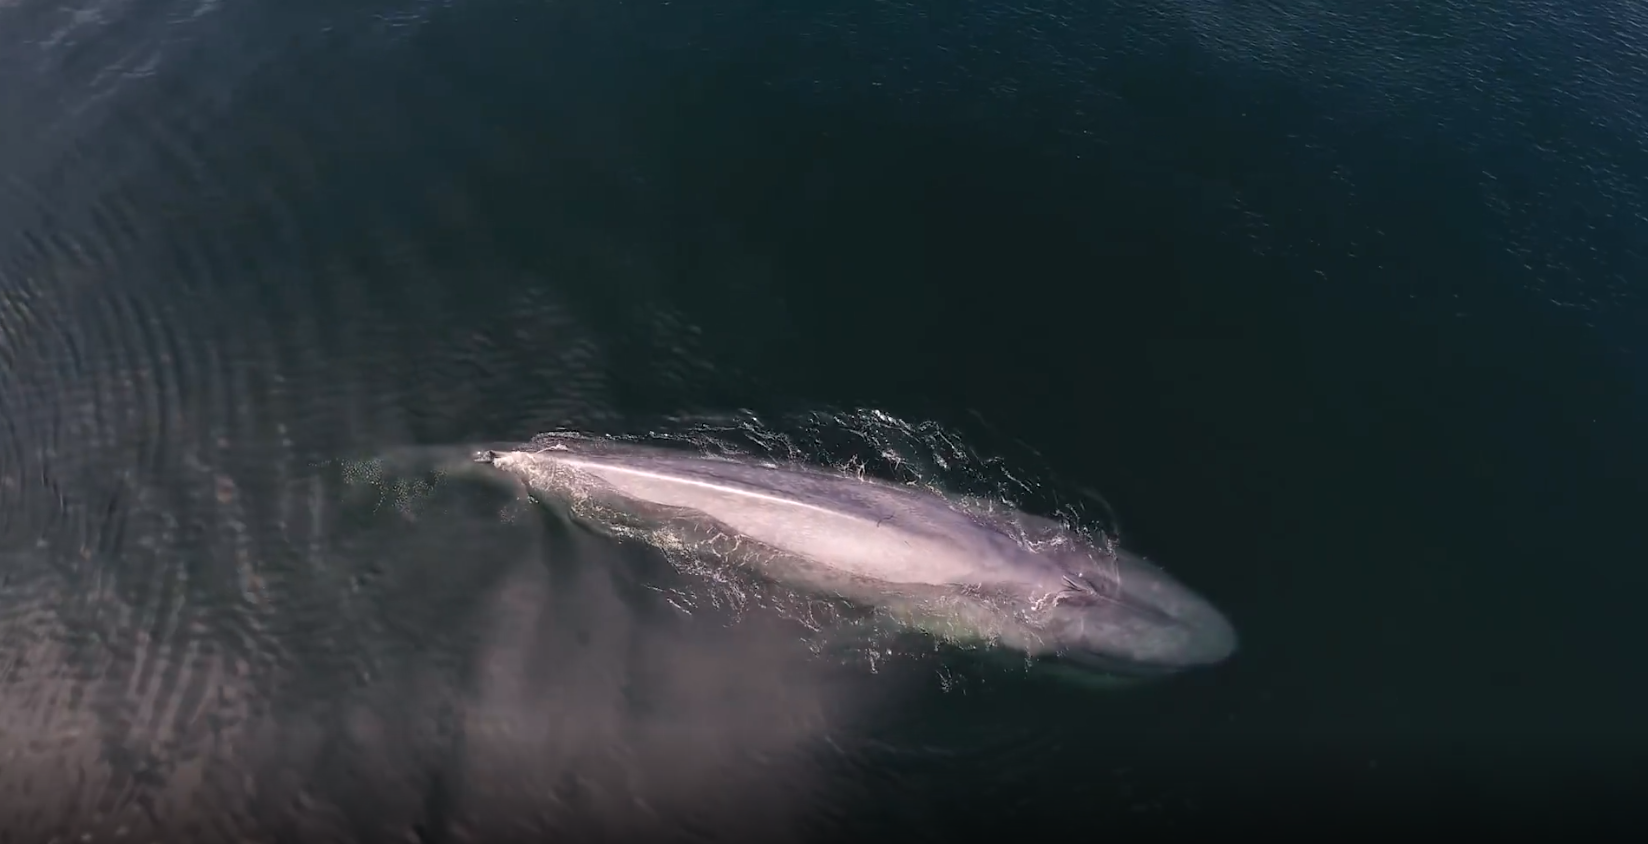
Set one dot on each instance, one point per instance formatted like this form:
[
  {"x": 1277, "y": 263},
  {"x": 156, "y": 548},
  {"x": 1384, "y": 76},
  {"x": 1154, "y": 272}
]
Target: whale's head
[{"x": 1118, "y": 614}]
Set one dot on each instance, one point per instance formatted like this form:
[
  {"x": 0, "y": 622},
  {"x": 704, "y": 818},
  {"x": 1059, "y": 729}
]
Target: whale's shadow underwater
[{"x": 1001, "y": 582}]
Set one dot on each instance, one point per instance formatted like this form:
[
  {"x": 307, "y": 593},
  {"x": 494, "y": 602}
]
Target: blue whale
[{"x": 956, "y": 568}]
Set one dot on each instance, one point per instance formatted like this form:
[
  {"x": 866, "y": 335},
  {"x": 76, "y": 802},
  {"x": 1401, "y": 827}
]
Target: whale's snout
[{"x": 1139, "y": 620}]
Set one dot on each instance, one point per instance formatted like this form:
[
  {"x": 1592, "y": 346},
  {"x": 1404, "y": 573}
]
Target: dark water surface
[{"x": 1340, "y": 305}]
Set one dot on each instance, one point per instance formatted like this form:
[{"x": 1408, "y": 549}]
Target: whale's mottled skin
[{"x": 1016, "y": 580}]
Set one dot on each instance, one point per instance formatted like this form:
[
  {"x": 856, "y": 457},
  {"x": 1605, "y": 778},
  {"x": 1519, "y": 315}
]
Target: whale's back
[
  {"x": 866, "y": 528},
  {"x": 1013, "y": 579}
]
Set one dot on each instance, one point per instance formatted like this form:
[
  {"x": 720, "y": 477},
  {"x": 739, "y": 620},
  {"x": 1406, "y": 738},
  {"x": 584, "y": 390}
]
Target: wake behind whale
[{"x": 938, "y": 563}]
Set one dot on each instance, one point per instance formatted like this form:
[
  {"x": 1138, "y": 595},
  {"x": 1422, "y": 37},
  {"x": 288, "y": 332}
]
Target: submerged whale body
[{"x": 962, "y": 572}]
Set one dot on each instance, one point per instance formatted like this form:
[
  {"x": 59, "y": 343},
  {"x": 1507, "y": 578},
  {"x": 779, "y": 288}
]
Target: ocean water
[{"x": 1335, "y": 309}]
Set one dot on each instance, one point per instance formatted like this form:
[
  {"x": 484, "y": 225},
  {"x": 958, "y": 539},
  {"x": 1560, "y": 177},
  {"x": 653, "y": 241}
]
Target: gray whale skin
[{"x": 959, "y": 571}]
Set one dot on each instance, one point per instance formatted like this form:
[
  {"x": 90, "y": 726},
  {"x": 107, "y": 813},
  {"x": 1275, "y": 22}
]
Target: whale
[{"x": 964, "y": 570}]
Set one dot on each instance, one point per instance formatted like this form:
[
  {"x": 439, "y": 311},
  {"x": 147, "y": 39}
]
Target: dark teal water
[{"x": 1338, "y": 305}]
